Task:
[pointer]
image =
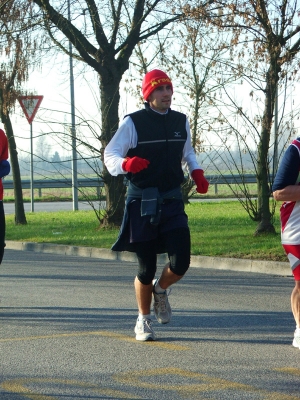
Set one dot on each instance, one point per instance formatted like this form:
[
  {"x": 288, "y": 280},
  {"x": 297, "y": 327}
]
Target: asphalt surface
[
  {"x": 67, "y": 325},
  {"x": 52, "y": 206},
  {"x": 68, "y": 313},
  {"x": 49, "y": 206}
]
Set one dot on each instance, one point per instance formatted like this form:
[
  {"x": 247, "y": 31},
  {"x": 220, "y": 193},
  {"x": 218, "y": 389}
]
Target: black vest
[{"x": 161, "y": 139}]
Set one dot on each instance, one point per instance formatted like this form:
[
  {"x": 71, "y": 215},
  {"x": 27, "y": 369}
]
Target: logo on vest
[{"x": 177, "y": 134}]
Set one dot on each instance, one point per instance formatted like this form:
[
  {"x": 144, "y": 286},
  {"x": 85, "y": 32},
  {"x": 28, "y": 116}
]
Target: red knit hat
[{"x": 154, "y": 79}]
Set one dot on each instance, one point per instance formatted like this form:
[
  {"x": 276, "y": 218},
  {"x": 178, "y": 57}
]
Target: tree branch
[
  {"x": 83, "y": 46},
  {"x": 97, "y": 26}
]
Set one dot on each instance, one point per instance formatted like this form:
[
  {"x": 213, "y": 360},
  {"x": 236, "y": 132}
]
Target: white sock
[
  {"x": 297, "y": 330},
  {"x": 142, "y": 316},
  {"x": 158, "y": 289}
]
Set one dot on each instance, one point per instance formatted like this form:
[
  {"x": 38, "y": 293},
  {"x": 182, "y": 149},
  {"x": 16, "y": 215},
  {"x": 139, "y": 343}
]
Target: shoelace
[
  {"x": 167, "y": 292},
  {"x": 162, "y": 299},
  {"x": 147, "y": 324}
]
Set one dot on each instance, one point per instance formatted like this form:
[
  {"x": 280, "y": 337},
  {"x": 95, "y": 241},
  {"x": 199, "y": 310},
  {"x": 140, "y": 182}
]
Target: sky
[
  {"x": 53, "y": 83},
  {"x": 54, "y": 86}
]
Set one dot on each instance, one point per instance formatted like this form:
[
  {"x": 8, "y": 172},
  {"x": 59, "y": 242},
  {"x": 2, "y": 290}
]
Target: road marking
[
  {"x": 206, "y": 384},
  {"x": 137, "y": 379},
  {"x": 287, "y": 370},
  {"x": 113, "y": 335},
  {"x": 17, "y": 386}
]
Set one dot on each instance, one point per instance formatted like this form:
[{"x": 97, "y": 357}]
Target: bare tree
[
  {"x": 269, "y": 31},
  {"x": 236, "y": 129},
  {"x": 57, "y": 165},
  {"x": 16, "y": 48},
  {"x": 199, "y": 54}
]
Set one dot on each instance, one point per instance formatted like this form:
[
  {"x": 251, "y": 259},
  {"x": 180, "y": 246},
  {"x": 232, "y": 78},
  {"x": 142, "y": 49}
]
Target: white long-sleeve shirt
[{"x": 126, "y": 138}]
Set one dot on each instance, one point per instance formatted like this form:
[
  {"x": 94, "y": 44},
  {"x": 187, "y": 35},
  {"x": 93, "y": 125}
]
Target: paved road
[
  {"x": 49, "y": 206},
  {"x": 68, "y": 205},
  {"x": 67, "y": 323}
]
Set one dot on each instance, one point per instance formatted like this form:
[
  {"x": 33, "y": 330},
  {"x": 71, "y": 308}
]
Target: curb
[{"x": 232, "y": 264}]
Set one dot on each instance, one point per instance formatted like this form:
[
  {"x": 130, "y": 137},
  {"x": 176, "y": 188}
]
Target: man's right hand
[{"x": 135, "y": 164}]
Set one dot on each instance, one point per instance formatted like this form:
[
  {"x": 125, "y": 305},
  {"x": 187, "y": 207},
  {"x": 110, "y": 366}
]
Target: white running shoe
[
  {"x": 161, "y": 307},
  {"x": 143, "y": 330},
  {"x": 296, "y": 341}
]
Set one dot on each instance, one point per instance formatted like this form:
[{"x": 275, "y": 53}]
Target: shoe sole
[
  {"x": 161, "y": 321},
  {"x": 295, "y": 344},
  {"x": 164, "y": 322},
  {"x": 143, "y": 339}
]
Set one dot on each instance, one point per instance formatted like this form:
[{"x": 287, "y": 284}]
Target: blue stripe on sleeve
[{"x": 288, "y": 170}]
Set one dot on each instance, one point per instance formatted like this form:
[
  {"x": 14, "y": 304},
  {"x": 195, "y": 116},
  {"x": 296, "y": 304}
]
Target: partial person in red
[
  {"x": 4, "y": 170},
  {"x": 153, "y": 147},
  {"x": 286, "y": 188}
]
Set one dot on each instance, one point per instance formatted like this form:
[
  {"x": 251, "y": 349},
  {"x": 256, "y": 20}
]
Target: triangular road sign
[{"x": 30, "y": 105}]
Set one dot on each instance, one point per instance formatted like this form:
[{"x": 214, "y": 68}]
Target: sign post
[{"x": 30, "y": 105}]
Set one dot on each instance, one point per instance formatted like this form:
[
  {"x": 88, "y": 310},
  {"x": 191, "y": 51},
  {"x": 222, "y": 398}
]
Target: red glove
[
  {"x": 201, "y": 182},
  {"x": 135, "y": 164}
]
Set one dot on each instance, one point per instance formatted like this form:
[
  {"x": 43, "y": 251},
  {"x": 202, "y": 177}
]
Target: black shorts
[
  {"x": 172, "y": 217},
  {"x": 177, "y": 243}
]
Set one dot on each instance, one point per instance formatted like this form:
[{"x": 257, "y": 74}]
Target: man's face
[{"x": 160, "y": 98}]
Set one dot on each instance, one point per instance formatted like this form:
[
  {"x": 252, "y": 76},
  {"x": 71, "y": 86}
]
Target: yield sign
[{"x": 30, "y": 105}]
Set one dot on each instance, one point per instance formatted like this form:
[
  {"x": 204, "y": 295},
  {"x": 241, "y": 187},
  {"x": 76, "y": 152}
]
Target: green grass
[
  {"x": 221, "y": 229},
  {"x": 224, "y": 229}
]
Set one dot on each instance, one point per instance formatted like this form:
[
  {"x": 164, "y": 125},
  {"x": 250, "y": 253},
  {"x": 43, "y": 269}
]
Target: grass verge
[{"x": 221, "y": 229}]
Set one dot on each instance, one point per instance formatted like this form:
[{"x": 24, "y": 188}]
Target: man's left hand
[{"x": 200, "y": 181}]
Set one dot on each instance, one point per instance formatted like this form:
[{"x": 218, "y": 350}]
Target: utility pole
[
  {"x": 73, "y": 129},
  {"x": 275, "y": 155}
]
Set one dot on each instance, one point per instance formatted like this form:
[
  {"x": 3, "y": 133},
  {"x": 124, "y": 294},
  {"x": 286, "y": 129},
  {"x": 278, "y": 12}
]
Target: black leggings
[
  {"x": 2, "y": 231},
  {"x": 178, "y": 244}
]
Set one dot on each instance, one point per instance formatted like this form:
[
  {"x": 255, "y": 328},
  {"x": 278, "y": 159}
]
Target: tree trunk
[
  {"x": 263, "y": 185},
  {"x": 114, "y": 186},
  {"x": 20, "y": 217}
]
